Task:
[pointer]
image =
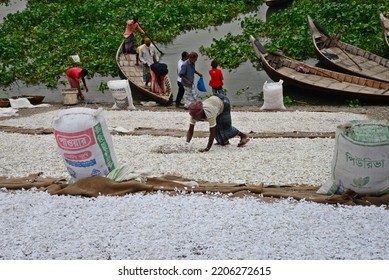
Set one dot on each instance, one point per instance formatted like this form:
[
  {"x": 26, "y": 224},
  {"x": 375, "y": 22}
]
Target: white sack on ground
[
  {"x": 121, "y": 93},
  {"x": 273, "y": 96},
  {"x": 84, "y": 142},
  {"x": 361, "y": 159}
]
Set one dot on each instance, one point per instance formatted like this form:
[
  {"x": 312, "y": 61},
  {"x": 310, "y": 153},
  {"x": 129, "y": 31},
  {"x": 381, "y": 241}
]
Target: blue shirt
[{"x": 188, "y": 71}]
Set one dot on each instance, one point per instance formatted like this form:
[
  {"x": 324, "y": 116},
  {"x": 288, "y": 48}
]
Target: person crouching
[{"x": 216, "y": 110}]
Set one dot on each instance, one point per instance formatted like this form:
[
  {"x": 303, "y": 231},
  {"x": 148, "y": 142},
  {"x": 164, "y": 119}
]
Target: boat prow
[
  {"x": 385, "y": 28},
  {"x": 300, "y": 75},
  {"x": 346, "y": 58}
]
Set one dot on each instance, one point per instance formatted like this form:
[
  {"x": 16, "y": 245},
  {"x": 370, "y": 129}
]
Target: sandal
[{"x": 243, "y": 142}]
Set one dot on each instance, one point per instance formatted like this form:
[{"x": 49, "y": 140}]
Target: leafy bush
[{"x": 37, "y": 42}]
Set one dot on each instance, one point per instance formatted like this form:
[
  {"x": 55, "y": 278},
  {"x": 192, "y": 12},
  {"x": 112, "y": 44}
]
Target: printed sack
[
  {"x": 121, "y": 93},
  {"x": 361, "y": 159},
  {"x": 84, "y": 142}
]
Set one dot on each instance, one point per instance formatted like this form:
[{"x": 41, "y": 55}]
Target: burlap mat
[
  {"x": 177, "y": 132},
  {"x": 96, "y": 186}
]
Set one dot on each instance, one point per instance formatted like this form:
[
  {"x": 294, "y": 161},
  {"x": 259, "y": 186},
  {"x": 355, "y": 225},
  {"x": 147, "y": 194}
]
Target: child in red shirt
[{"x": 216, "y": 81}]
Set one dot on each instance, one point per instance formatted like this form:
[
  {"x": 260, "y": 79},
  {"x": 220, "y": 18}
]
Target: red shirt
[
  {"x": 74, "y": 73},
  {"x": 216, "y": 78}
]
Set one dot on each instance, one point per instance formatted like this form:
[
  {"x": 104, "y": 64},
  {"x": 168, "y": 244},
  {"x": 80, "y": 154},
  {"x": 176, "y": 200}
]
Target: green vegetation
[
  {"x": 37, "y": 43},
  {"x": 353, "y": 103},
  {"x": 288, "y": 101}
]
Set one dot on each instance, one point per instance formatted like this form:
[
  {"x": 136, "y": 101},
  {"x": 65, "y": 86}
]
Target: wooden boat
[
  {"x": 306, "y": 77},
  {"x": 346, "y": 58},
  {"x": 4, "y": 102},
  {"x": 276, "y": 3},
  {"x": 134, "y": 74},
  {"x": 385, "y": 28}
]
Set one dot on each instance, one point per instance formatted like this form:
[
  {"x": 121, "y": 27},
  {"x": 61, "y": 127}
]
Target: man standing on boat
[
  {"x": 188, "y": 70},
  {"x": 148, "y": 55},
  {"x": 130, "y": 43}
]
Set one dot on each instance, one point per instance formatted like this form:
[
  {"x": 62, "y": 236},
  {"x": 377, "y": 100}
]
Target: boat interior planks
[
  {"x": 346, "y": 58},
  {"x": 134, "y": 73},
  {"x": 315, "y": 79}
]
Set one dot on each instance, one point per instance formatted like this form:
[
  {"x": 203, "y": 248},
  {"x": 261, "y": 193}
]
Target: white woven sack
[
  {"x": 84, "y": 142},
  {"x": 361, "y": 159},
  {"x": 121, "y": 93},
  {"x": 273, "y": 96}
]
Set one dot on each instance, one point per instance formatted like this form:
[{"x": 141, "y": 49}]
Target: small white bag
[
  {"x": 121, "y": 93},
  {"x": 273, "y": 96}
]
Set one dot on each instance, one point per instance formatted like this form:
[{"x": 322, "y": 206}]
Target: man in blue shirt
[{"x": 188, "y": 70}]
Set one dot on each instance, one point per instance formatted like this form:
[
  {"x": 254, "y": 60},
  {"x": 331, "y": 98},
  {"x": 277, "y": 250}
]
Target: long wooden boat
[
  {"x": 134, "y": 73},
  {"x": 276, "y": 3},
  {"x": 318, "y": 80},
  {"x": 385, "y": 28},
  {"x": 346, "y": 58}
]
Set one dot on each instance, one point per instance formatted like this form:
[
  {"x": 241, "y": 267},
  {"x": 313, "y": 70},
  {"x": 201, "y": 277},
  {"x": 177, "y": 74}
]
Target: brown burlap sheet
[
  {"x": 96, "y": 186},
  {"x": 177, "y": 132}
]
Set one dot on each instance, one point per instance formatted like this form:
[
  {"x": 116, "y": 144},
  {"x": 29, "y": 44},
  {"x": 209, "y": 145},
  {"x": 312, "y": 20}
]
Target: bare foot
[
  {"x": 81, "y": 97},
  {"x": 243, "y": 141}
]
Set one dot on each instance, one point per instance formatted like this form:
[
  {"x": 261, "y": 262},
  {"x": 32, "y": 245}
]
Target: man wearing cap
[
  {"x": 148, "y": 55},
  {"x": 216, "y": 110}
]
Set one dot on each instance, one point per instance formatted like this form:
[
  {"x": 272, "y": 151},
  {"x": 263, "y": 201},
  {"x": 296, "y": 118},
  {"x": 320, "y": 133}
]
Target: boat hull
[
  {"x": 385, "y": 28},
  {"x": 276, "y": 3},
  {"x": 313, "y": 79},
  {"x": 346, "y": 58},
  {"x": 134, "y": 74}
]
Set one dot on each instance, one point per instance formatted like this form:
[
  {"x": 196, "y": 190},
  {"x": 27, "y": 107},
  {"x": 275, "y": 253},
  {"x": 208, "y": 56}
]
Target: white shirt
[
  {"x": 179, "y": 65},
  {"x": 146, "y": 54}
]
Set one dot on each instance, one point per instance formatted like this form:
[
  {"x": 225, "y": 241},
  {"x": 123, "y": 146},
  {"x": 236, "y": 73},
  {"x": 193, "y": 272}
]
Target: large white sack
[
  {"x": 361, "y": 159},
  {"x": 84, "y": 142},
  {"x": 273, "y": 96},
  {"x": 121, "y": 93}
]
